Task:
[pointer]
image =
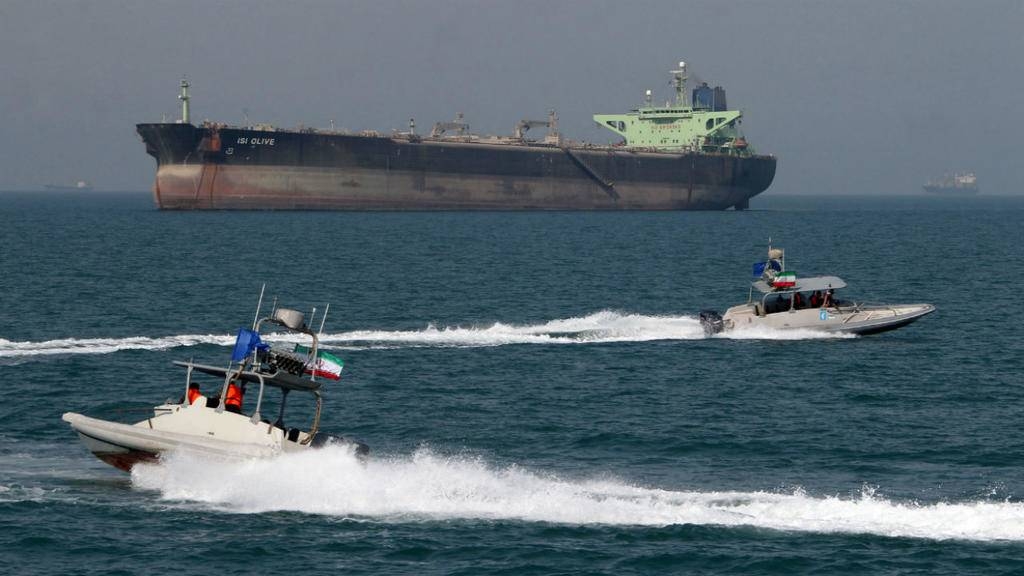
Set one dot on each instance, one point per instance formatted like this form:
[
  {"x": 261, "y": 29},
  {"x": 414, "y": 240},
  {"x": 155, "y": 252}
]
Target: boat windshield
[{"x": 809, "y": 295}]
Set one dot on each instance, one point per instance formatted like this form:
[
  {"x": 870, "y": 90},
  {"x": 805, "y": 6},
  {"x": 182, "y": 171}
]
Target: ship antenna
[
  {"x": 259, "y": 304},
  {"x": 679, "y": 80},
  {"x": 184, "y": 100},
  {"x": 324, "y": 319}
]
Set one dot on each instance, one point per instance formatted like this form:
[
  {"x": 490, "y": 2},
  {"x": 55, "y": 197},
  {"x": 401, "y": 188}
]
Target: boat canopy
[
  {"x": 804, "y": 285},
  {"x": 279, "y": 379}
]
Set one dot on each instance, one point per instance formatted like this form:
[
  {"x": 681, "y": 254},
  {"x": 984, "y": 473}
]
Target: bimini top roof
[
  {"x": 808, "y": 284},
  {"x": 280, "y": 379}
]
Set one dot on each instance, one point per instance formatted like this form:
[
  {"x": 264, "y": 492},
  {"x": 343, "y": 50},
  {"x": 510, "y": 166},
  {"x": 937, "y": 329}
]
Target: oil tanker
[{"x": 684, "y": 155}]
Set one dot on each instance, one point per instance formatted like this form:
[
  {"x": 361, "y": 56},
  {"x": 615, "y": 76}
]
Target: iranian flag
[
  {"x": 327, "y": 365},
  {"x": 785, "y": 280}
]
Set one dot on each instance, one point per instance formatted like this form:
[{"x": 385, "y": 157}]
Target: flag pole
[
  {"x": 324, "y": 319},
  {"x": 259, "y": 305}
]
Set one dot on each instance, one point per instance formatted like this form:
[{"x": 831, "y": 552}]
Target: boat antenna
[
  {"x": 312, "y": 358},
  {"x": 259, "y": 304},
  {"x": 324, "y": 319}
]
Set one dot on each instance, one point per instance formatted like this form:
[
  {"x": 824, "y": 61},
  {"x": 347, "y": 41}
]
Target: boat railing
[
  {"x": 236, "y": 377},
  {"x": 264, "y": 379},
  {"x": 255, "y": 418}
]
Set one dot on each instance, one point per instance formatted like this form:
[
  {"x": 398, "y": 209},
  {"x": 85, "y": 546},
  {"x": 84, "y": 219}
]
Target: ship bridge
[{"x": 705, "y": 125}]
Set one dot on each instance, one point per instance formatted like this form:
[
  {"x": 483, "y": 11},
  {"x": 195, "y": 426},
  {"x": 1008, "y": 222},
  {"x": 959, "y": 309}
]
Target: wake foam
[
  {"x": 63, "y": 346},
  {"x": 427, "y": 486},
  {"x": 604, "y": 326},
  {"x": 600, "y": 327}
]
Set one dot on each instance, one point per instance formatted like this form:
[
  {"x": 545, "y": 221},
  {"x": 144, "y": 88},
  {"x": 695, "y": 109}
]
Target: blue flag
[
  {"x": 759, "y": 267},
  {"x": 248, "y": 340}
]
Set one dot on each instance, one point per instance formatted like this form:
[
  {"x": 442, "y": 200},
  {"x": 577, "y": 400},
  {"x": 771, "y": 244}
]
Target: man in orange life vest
[
  {"x": 233, "y": 398},
  {"x": 816, "y": 299},
  {"x": 195, "y": 395}
]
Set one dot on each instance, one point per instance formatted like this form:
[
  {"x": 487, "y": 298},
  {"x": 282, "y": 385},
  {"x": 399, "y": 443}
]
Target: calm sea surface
[{"x": 536, "y": 389}]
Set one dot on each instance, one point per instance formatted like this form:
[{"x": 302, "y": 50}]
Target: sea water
[{"x": 536, "y": 389}]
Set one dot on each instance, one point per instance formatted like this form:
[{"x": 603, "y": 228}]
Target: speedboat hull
[
  {"x": 872, "y": 320},
  {"x": 197, "y": 430},
  {"x": 109, "y": 450},
  {"x": 855, "y": 319},
  {"x": 124, "y": 445}
]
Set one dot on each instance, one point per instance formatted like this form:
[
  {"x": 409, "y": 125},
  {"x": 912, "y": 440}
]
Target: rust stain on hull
[{"x": 258, "y": 188}]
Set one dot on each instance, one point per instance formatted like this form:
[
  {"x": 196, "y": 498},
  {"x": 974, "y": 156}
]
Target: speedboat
[
  {"x": 784, "y": 301},
  {"x": 218, "y": 426}
]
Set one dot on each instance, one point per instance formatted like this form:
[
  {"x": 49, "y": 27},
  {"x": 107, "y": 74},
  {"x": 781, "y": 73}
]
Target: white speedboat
[
  {"x": 783, "y": 301},
  {"x": 218, "y": 426}
]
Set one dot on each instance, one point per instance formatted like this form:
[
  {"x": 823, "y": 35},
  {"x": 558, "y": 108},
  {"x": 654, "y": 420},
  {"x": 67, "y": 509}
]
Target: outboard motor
[
  {"x": 362, "y": 451},
  {"x": 712, "y": 322}
]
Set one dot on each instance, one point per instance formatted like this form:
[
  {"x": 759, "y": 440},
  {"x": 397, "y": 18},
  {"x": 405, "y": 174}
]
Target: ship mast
[
  {"x": 184, "y": 101},
  {"x": 679, "y": 80}
]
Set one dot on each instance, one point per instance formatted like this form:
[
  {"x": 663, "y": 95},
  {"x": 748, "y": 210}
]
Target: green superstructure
[{"x": 703, "y": 126}]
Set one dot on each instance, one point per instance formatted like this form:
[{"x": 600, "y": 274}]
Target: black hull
[
  {"x": 231, "y": 168},
  {"x": 951, "y": 191}
]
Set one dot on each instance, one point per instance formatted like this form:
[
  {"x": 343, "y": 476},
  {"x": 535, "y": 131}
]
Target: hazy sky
[{"x": 852, "y": 96}]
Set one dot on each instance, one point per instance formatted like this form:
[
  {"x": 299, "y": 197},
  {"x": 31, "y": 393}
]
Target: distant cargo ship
[
  {"x": 80, "y": 185},
  {"x": 678, "y": 156},
  {"x": 959, "y": 184}
]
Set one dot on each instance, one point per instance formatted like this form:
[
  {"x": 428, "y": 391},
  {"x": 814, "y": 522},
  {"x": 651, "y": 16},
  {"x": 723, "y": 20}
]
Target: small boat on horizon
[
  {"x": 81, "y": 185},
  {"x": 218, "y": 426},
  {"x": 788, "y": 302}
]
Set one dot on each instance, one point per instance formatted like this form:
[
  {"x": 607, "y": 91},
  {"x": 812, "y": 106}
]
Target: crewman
[
  {"x": 816, "y": 299},
  {"x": 194, "y": 394},
  {"x": 829, "y": 301},
  {"x": 233, "y": 398}
]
